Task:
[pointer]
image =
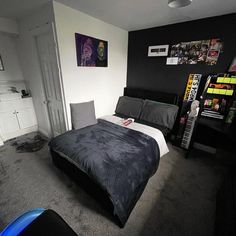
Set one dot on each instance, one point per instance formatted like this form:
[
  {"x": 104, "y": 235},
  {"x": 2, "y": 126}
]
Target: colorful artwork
[
  {"x": 195, "y": 47},
  {"x": 197, "y": 52},
  {"x": 175, "y": 50},
  {"x": 203, "y": 51},
  {"x": 232, "y": 67},
  {"x": 214, "y": 51},
  {"x": 212, "y": 57},
  {"x": 183, "y": 53},
  {"x": 91, "y": 51}
]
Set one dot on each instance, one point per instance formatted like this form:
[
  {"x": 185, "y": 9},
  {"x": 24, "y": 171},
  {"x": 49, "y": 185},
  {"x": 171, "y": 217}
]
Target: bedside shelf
[{"x": 214, "y": 133}]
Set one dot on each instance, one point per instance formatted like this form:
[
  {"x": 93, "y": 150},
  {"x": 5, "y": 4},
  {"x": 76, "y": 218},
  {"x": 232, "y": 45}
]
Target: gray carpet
[{"x": 180, "y": 199}]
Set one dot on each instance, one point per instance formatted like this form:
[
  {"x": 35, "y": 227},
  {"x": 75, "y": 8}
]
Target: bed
[{"x": 114, "y": 162}]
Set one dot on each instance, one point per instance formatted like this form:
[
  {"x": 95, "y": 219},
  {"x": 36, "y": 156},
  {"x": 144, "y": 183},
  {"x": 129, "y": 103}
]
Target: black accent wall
[{"x": 153, "y": 73}]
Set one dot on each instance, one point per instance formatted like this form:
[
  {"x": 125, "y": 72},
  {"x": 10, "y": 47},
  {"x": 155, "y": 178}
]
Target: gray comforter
[{"x": 118, "y": 159}]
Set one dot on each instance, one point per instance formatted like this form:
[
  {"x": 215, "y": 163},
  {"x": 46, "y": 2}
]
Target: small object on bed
[
  {"x": 155, "y": 133},
  {"x": 127, "y": 121},
  {"x": 129, "y": 106},
  {"x": 82, "y": 114}
]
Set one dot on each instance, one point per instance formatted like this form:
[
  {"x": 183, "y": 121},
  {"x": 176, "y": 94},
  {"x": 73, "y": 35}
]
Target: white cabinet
[
  {"x": 8, "y": 122},
  {"x": 26, "y": 118},
  {"x": 17, "y": 117}
]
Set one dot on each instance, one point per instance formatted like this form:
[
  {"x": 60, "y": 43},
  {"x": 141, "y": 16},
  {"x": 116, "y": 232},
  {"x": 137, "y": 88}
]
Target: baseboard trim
[
  {"x": 20, "y": 132},
  {"x": 46, "y": 134},
  {"x": 1, "y": 142}
]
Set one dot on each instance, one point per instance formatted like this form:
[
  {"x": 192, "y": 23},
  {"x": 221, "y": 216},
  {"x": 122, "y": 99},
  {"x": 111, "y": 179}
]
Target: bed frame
[
  {"x": 86, "y": 183},
  {"x": 170, "y": 98},
  {"x": 83, "y": 179}
]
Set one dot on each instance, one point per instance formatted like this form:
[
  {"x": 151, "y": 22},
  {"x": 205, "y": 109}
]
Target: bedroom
[{"x": 128, "y": 65}]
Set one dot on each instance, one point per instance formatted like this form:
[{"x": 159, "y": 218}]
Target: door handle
[{"x": 45, "y": 102}]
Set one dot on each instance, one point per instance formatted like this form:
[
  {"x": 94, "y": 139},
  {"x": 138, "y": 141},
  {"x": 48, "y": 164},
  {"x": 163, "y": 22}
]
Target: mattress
[{"x": 151, "y": 131}]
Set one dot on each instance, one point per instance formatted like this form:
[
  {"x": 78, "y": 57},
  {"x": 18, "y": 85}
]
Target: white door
[{"x": 51, "y": 77}]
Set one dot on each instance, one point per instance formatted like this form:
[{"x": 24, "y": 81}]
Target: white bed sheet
[{"x": 153, "y": 132}]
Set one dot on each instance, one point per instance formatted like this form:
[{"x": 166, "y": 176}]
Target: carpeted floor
[{"x": 179, "y": 200}]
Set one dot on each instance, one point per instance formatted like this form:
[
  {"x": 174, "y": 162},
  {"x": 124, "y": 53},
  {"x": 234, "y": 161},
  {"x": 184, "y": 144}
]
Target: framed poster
[
  {"x": 158, "y": 51},
  {"x": 1, "y": 64},
  {"x": 91, "y": 51}
]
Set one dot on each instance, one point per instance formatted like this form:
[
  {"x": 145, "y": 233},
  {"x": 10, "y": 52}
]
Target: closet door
[{"x": 51, "y": 78}]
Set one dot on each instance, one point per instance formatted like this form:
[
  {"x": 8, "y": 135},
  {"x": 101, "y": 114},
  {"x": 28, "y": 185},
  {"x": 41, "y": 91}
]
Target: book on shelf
[{"x": 212, "y": 114}]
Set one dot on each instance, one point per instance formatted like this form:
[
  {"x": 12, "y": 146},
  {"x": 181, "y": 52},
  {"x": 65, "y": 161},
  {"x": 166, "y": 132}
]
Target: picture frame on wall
[
  {"x": 90, "y": 51},
  {"x": 158, "y": 51},
  {"x": 1, "y": 64}
]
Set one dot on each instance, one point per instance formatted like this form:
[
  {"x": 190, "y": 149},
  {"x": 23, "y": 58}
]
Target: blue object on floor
[{"x": 20, "y": 223}]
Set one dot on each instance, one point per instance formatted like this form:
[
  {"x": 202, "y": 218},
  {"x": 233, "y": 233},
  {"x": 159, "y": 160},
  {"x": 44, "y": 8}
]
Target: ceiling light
[{"x": 178, "y": 3}]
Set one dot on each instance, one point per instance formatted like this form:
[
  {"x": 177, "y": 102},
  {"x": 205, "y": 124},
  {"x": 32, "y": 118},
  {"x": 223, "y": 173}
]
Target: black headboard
[{"x": 153, "y": 95}]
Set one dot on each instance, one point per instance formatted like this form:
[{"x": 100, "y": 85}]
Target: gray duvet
[{"x": 118, "y": 159}]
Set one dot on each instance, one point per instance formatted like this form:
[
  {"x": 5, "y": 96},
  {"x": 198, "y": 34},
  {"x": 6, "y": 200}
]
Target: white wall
[
  {"x": 8, "y": 26},
  {"x": 30, "y": 61},
  {"x": 9, "y": 54},
  {"x": 12, "y": 74},
  {"x": 102, "y": 84},
  {"x": 1, "y": 139}
]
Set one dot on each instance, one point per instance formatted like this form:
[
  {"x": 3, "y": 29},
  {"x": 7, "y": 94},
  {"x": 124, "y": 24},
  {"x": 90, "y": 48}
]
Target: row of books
[
  {"x": 212, "y": 114},
  {"x": 228, "y": 80},
  {"x": 227, "y": 92}
]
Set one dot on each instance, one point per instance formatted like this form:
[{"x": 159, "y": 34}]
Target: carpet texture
[
  {"x": 179, "y": 200},
  {"x": 29, "y": 144}
]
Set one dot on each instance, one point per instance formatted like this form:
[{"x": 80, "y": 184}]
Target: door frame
[{"x": 40, "y": 30}]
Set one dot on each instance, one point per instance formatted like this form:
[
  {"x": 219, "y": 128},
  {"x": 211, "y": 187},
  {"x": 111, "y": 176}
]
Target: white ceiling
[{"x": 127, "y": 14}]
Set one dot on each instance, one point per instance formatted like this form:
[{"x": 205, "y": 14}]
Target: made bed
[{"x": 114, "y": 162}]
